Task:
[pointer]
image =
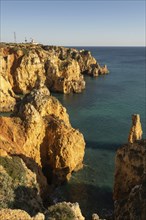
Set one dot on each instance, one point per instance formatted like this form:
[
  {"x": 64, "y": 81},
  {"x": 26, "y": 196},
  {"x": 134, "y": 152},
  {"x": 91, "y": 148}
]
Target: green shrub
[
  {"x": 25, "y": 51},
  {"x": 14, "y": 168},
  {"x": 6, "y": 191},
  {"x": 60, "y": 211}
]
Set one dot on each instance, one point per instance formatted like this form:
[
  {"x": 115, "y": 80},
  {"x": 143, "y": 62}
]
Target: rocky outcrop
[
  {"x": 29, "y": 73},
  {"x": 130, "y": 179},
  {"x": 13, "y": 214},
  {"x": 64, "y": 76},
  {"x": 60, "y": 69},
  {"x": 62, "y": 149},
  {"x": 87, "y": 63},
  {"x": 45, "y": 104},
  {"x": 40, "y": 130},
  {"x": 23, "y": 136},
  {"x": 136, "y": 129},
  {"x": 7, "y": 96}
]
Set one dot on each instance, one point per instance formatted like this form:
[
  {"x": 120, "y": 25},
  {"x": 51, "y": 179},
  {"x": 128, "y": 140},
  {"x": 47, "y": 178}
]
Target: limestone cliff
[
  {"x": 7, "y": 96},
  {"x": 130, "y": 179},
  {"x": 26, "y": 66},
  {"x": 40, "y": 130},
  {"x": 20, "y": 194}
]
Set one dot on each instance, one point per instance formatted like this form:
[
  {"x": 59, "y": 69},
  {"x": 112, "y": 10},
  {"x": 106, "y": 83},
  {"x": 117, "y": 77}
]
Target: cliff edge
[
  {"x": 26, "y": 66},
  {"x": 130, "y": 176}
]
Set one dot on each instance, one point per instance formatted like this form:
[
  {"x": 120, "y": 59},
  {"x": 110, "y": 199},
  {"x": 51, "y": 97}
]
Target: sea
[{"x": 102, "y": 112}]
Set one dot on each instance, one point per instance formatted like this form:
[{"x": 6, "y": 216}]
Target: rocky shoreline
[
  {"x": 38, "y": 145},
  {"x": 27, "y": 66}
]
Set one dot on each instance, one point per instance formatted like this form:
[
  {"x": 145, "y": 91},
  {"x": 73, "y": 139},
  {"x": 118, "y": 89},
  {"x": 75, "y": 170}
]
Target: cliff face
[
  {"x": 130, "y": 179},
  {"x": 37, "y": 143},
  {"x": 7, "y": 96},
  {"x": 24, "y": 67},
  {"x": 40, "y": 130}
]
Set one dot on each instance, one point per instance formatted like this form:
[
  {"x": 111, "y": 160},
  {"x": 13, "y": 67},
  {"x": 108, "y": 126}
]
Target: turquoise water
[{"x": 103, "y": 114}]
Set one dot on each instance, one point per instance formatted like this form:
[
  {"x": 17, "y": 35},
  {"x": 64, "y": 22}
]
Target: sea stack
[
  {"x": 130, "y": 176},
  {"x": 136, "y": 129}
]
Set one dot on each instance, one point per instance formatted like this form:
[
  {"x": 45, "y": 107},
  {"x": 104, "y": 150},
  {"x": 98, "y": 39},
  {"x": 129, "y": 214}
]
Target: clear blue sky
[{"x": 74, "y": 23}]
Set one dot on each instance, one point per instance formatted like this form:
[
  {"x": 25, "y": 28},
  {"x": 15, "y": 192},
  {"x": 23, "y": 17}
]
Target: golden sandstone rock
[
  {"x": 39, "y": 136},
  {"x": 18, "y": 214},
  {"x": 60, "y": 69},
  {"x": 130, "y": 176},
  {"x": 136, "y": 129},
  {"x": 42, "y": 132},
  {"x": 7, "y": 96}
]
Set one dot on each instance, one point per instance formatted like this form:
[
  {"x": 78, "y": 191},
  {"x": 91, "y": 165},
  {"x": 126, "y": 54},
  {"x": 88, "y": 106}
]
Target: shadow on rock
[{"x": 27, "y": 199}]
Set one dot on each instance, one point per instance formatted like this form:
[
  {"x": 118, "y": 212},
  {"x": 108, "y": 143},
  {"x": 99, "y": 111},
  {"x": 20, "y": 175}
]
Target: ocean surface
[{"x": 103, "y": 114}]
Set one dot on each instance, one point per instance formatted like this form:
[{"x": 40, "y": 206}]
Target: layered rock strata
[{"x": 130, "y": 177}]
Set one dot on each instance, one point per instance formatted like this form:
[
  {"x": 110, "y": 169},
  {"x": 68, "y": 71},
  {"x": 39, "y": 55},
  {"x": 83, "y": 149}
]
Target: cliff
[
  {"x": 40, "y": 130},
  {"x": 38, "y": 145},
  {"x": 130, "y": 176},
  {"x": 26, "y": 66}
]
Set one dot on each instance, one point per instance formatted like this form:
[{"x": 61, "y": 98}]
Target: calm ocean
[{"x": 103, "y": 114}]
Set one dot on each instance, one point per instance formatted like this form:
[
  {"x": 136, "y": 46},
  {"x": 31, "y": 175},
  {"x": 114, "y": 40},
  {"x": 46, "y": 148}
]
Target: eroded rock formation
[
  {"x": 136, "y": 129},
  {"x": 13, "y": 214},
  {"x": 62, "y": 148},
  {"x": 38, "y": 138},
  {"x": 130, "y": 177},
  {"x": 40, "y": 130},
  {"x": 61, "y": 69},
  {"x": 7, "y": 96}
]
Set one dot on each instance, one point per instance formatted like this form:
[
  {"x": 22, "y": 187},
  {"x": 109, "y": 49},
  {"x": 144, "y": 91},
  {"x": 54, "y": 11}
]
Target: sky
[{"x": 74, "y": 22}]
